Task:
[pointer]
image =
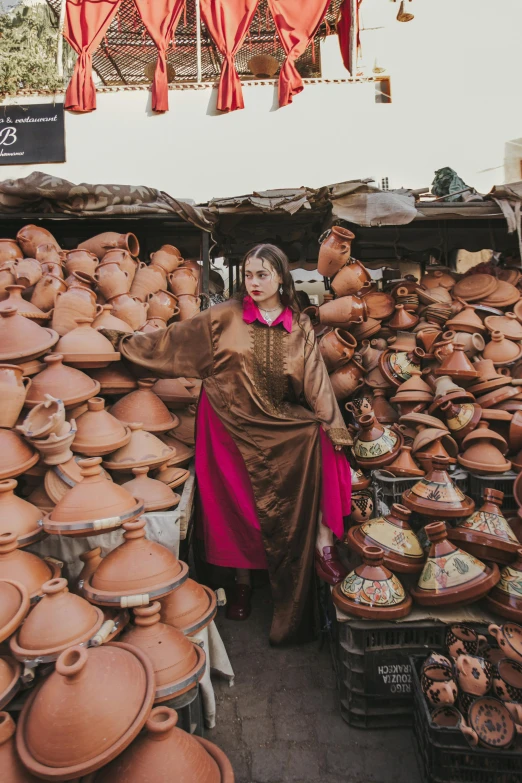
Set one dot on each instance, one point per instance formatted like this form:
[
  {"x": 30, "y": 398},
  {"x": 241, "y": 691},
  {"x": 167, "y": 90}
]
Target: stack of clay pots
[{"x": 86, "y": 448}]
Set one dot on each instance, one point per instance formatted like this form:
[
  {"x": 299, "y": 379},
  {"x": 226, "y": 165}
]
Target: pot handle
[
  {"x": 357, "y": 320},
  {"x": 466, "y": 664},
  {"x": 99, "y": 309},
  {"x": 27, "y": 382},
  {"x": 482, "y": 641},
  {"x": 495, "y": 631},
  {"x": 469, "y": 733},
  {"x": 103, "y": 634},
  {"x": 438, "y": 354},
  {"x": 142, "y": 265}
]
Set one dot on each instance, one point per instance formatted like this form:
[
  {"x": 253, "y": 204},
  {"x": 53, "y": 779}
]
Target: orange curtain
[
  {"x": 346, "y": 29},
  {"x": 86, "y": 22},
  {"x": 227, "y": 22},
  {"x": 296, "y": 22},
  {"x": 161, "y": 18}
]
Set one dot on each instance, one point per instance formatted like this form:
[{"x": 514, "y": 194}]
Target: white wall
[{"x": 455, "y": 80}]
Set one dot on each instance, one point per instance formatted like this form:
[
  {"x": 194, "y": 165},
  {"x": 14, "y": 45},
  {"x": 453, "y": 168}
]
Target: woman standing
[{"x": 268, "y": 427}]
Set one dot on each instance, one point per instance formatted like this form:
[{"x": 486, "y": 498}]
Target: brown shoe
[
  {"x": 238, "y": 607},
  {"x": 328, "y": 566}
]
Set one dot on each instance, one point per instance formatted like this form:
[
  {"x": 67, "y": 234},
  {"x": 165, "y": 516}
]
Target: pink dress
[{"x": 228, "y": 523}]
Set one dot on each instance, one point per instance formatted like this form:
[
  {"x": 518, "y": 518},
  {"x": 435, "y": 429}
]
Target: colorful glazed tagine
[
  {"x": 64, "y": 383},
  {"x": 483, "y": 451},
  {"x": 463, "y": 640},
  {"x": 501, "y": 350},
  {"x": 437, "y": 495},
  {"x": 376, "y": 445},
  {"x": 506, "y": 597},
  {"x": 456, "y": 364},
  {"x": 450, "y": 575},
  {"x": 145, "y": 406},
  {"x": 16, "y": 455},
  {"x": 86, "y": 347},
  {"x": 18, "y": 516},
  {"x": 60, "y": 620},
  {"x": 438, "y": 685},
  {"x": 13, "y": 771},
  {"x": 98, "y": 432},
  {"x": 334, "y": 251},
  {"x": 143, "y": 449},
  {"x": 507, "y": 681},
  {"x": 168, "y": 754},
  {"x": 22, "y": 339},
  {"x": 103, "y": 695},
  {"x": 461, "y": 418},
  {"x": 486, "y": 533},
  {"x": 371, "y": 590},
  {"x": 93, "y": 505},
  {"x": 398, "y": 366},
  {"x": 26, "y": 568},
  {"x": 178, "y": 663},
  {"x": 393, "y": 534},
  {"x": 404, "y": 465},
  {"x": 156, "y": 495},
  {"x": 14, "y": 605},
  {"x": 10, "y": 673},
  {"x": 361, "y": 505},
  {"x": 135, "y": 572},
  {"x": 189, "y": 608},
  {"x": 359, "y": 480},
  {"x": 509, "y": 639}
]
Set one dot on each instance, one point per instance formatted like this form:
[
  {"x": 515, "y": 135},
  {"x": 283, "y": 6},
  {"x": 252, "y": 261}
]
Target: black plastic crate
[
  {"x": 503, "y": 482},
  {"x": 445, "y": 756}
]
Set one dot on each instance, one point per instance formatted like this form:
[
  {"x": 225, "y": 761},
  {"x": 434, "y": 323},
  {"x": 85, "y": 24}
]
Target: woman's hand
[
  {"x": 113, "y": 336},
  {"x": 338, "y": 448}
]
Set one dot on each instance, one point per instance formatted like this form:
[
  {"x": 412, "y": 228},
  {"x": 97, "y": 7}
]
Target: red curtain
[
  {"x": 227, "y": 22},
  {"x": 161, "y": 18},
  {"x": 296, "y": 22},
  {"x": 86, "y": 22},
  {"x": 346, "y": 29}
]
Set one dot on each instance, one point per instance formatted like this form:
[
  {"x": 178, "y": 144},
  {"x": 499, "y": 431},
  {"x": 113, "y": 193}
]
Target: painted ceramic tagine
[
  {"x": 178, "y": 663},
  {"x": 461, "y": 418},
  {"x": 450, "y": 575},
  {"x": 506, "y": 597},
  {"x": 167, "y": 754},
  {"x": 376, "y": 445},
  {"x": 486, "y": 533},
  {"x": 436, "y": 495},
  {"x": 393, "y": 534},
  {"x": 20, "y": 566},
  {"x": 99, "y": 699},
  {"x": 189, "y": 608},
  {"x": 371, "y": 590},
  {"x": 398, "y": 366},
  {"x": 14, "y": 605},
  {"x": 135, "y": 572}
]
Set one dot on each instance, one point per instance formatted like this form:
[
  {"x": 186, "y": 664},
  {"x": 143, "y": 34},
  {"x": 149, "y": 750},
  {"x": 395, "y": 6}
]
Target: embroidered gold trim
[
  {"x": 339, "y": 436},
  {"x": 269, "y": 360}
]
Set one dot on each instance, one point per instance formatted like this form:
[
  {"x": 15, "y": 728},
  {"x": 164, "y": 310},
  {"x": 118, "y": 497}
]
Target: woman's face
[{"x": 261, "y": 280}]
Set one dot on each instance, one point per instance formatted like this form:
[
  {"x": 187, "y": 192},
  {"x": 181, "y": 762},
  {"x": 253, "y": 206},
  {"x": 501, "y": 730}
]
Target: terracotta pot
[
  {"x": 347, "y": 379},
  {"x": 86, "y": 347},
  {"x": 14, "y": 605},
  {"x": 509, "y": 639},
  {"x": 473, "y": 343},
  {"x": 437, "y": 278},
  {"x": 7, "y": 278},
  {"x": 16, "y": 455},
  {"x": 383, "y": 411},
  {"x": 30, "y": 237},
  {"x": 167, "y": 257},
  {"x": 162, "y": 304},
  {"x": 153, "y": 324},
  {"x": 24, "y": 567},
  {"x": 112, "y": 280},
  {"x": 402, "y": 319},
  {"x": 145, "y": 406},
  {"x": 81, "y": 261},
  {"x": 189, "y": 305},
  {"x": 376, "y": 445},
  {"x": 507, "y": 680},
  {"x": 102, "y": 243},
  {"x": 462, "y": 579},
  {"x": 144, "y": 448},
  {"x": 49, "y": 255},
  {"x": 398, "y": 366},
  {"x": 23, "y": 307},
  {"x": 148, "y": 280},
  {"x": 466, "y": 321},
  {"x": 461, "y": 418},
  {"x": 404, "y": 464},
  {"x": 337, "y": 348},
  {"x": 171, "y": 476},
  {"x": 18, "y": 516},
  {"x": 436, "y": 495},
  {"x": 115, "y": 379},
  {"x": 343, "y": 311},
  {"x": 502, "y": 351},
  {"x": 13, "y": 391},
  {"x": 12, "y": 768},
  {"x": 77, "y": 302},
  {"x": 44, "y": 419},
  {"x": 335, "y": 251},
  {"x": 156, "y": 495},
  {"x": 371, "y": 590},
  {"x": 483, "y": 451},
  {"x": 393, "y": 534},
  {"x": 98, "y": 432},
  {"x": 463, "y": 640},
  {"x": 135, "y": 570},
  {"x": 183, "y": 453},
  {"x": 55, "y": 448},
  {"x": 438, "y": 685},
  {"x": 190, "y": 608},
  {"x": 456, "y": 364},
  {"x": 65, "y": 383},
  {"x": 486, "y": 533},
  {"x": 91, "y": 559},
  {"x": 183, "y": 281},
  {"x": 350, "y": 279},
  {"x": 93, "y": 505},
  {"x": 103, "y": 694},
  {"x": 475, "y": 674},
  {"x": 173, "y": 393},
  {"x": 27, "y": 272},
  {"x": 130, "y": 309},
  {"x": 124, "y": 260},
  {"x": 369, "y": 354},
  {"x": 108, "y": 321},
  {"x": 9, "y": 250},
  {"x": 46, "y": 291}
]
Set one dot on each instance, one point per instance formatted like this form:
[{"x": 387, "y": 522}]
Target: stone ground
[{"x": 281, "y": 722}]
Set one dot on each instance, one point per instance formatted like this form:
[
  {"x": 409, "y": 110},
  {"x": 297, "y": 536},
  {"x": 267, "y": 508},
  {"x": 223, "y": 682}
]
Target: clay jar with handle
[
  {"x": 78, "y": 301},
  {"x": 347, "y": 379},
  {"x": 29, "y": 237},
  {"x": 13, "y": 391},
  {"x": 343, "y": 311},
  {"x": 509, "y": 638},
  {"x": 46, "y": 291},
  {"x": 148, "y": 280},
  {"x": 473, "y": 343},
  {"x": 183, "y": 281},
  {"x": 49, "y": 254},
  {"x": 189, "y": 305},
  {"x": 335, "y": 251},
  {"x": 350, "y": 279},
  {"x": 108, "y": 321},
  {"x": 102, "y": 243},
  {"x": 27, "y": 271},
  {"x": 474, "y": 674},
  {"x": 81, "y": 261},
  {"x": 130, "y": 309},
  {"x": 337, "y": 348},
  {"x": 438, "y": 685},
  {"x": 507, "y": 680},
  {"x": 111, "y": 279},
  {"x": 447, "y": 716},
  {"x": 162, "y": 304},
  {"x": 167, "y": 257},
  {"x": 463, "y": 640},
  {"x": 7, "y": 278},
  {"x": 124, "y": 260},
  {"x": 9, "y": 250}
]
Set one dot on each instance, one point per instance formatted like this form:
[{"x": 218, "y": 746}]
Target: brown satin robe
[{"x": 270, "y": 388}]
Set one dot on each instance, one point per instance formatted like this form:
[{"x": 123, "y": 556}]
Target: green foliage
[{"x": 28, "y": 46}]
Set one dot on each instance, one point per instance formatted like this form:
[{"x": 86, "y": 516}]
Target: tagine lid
[
  {"x": 18, "y": 515},
  {"x": 145, "y": 406},
  {"x": 59, "y": 620},
  {"x": 475, "y": 286},
  {"x": 12, "y": 769},
  {"x": 14, "y": 605},
  {"x": 404, "y": 465},
  {"x": 144, "y": 448},
  {"x": 506, "y": 597},
  {"x": 25, "y": 567},
  {"x": 68, "y": 384},
  {"x": 451, "y": 576},
  {"x": 16, "y": 455},
  {"x": 424, "y": 419},
  {"x": 173, "y": 391},
  {"x": 487, "y": 533},
  {"x": 168, "y": 753},
  {"x": 172, "y": 476},
  {"x": 508, "y": 324},
  {"x": 99, "y": 698},
  {"x": 21, "y": 338},
  {"x": 393, "y": 534},
  {"x": 98, "y": 432},
  {"x": 376, "y": 444},
  {"x": 190, "y": 608},
  {"x": 371, "y": 590},
  {"x": 138, "y": 569},
  {"x": 177, "y": 661},
  {"x": 437, "y": 495},
  {"x": 10, "y": 673},
  {"x": 114, "y": 379},
  {"x": 156, "y": 495}
]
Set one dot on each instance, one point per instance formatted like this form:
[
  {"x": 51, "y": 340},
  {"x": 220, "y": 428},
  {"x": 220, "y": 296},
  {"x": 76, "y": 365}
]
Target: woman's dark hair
[
  {"x": 303, "y": 299},
  {"x": 273, "y": 256}
]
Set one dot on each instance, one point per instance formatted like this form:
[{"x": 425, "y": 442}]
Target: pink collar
[{"x": 252, "y": 313}]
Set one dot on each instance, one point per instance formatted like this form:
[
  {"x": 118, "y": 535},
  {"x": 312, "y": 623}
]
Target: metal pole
[
  {"x": 354, "y": 34},
  {"x": 198, "y": 40},
  {"x": 205, "y": 256}
]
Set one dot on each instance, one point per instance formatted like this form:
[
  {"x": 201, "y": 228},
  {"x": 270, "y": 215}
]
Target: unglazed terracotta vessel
[
  {"x": 335, "y": 251},
  {"x": 156, "y": 495},
  {"x": 103, "y": 695},
  {"x": 162, "y": 304},
  {"x": 16, "y": 455},
  {"x": 456, "y": 364},
  {"x": 337, "y": 348},
  {"x": 125, "y": 261},
  {"x": 130, "y": 309},
  {"x": 18, "y": 516},
  {"x": 347, "y": 379},
  {"x": 81, "y": 261},
  {"x": 22, "y": 339},
  {"x": 78, "y": 301},
  {"x": 371, "y": 590},
  {"x": 9, "y": 250},
  {"x": 115, "y": 379},
  {"x": 393, "y": 534},
  {"x": 189, "y": 608},
  {"x": 108, "y": 321},
  {"x": 135, "y": 572},
  {"x": 44, "y": 418},
  {"x": 59, "y": 381},
  {"x": 24, "y": 567},
  {"x": 501, "y": 350},
  {"x": 145, "y": 406},
  {"x": 7, "y": 278},
  {"x": 12, "y": 768},
  {"x": 167, "y": 257},
  {"x": 341, "y": 312},
  {"x": 171, "y": 476},
  {"x": 183, "y": 453},
  {"x": 14, "y": 605},
  {"x": 102, "y": 243},
  {"x": 350, "y": 279},
  {"x": 30, "y": 237},
  {"x": 436, "y": 495},
  {"x": 188, "y": 306},
  {"x": 85, "y": 347},
  {"x": 173, "y": 393},
  {"x": 183, "y": 280},
  {"x": 450, "y": 575},
  {"x": 376, "y": 445},
  {"x": 112, "y": 280},
  {"x": 13, "y": 391},
  {"x": 483, "y": 451},
  {"x": 46, "y": 292},
  {"x": 27, "y": 272},
  {"x": 144, "y": 448},
  {"x": 98, "y": 432},
  {"x": 23, "y": 307}
]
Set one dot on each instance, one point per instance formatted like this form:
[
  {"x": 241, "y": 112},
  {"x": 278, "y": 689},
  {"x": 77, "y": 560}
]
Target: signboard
[
  {"x": 32, "y": 133},
  {"x": 389, "y": 675}
]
